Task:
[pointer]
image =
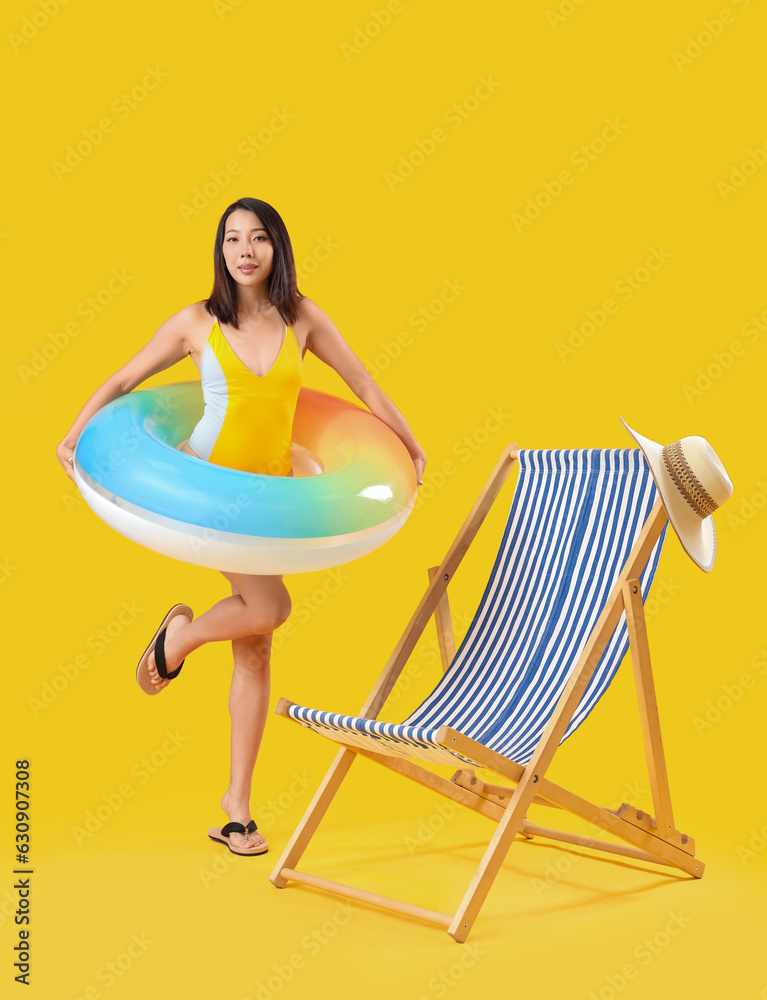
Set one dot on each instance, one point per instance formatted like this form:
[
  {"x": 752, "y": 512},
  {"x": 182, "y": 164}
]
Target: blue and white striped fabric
[{"x": 574, "y": 518}]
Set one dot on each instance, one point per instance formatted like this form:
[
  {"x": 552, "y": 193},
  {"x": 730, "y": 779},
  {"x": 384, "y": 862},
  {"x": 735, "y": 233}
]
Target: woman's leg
[
  {"x": 259, "y": 605},
  {"x": 248, "y": 705}
]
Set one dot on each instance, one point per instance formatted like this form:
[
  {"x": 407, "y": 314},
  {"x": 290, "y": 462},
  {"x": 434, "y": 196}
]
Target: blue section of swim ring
[{"x": 129, "y": 448}]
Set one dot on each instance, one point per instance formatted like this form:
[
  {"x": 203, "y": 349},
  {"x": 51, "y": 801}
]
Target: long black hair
[{"x": 281, "y": 283}]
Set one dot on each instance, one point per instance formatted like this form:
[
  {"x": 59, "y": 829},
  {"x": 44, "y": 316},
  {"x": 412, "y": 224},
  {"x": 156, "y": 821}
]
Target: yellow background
[{"x": 676, "y": 357}]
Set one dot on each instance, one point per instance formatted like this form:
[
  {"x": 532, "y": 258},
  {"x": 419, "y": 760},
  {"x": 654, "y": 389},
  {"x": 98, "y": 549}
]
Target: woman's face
[{"x": 248, "y": 251}]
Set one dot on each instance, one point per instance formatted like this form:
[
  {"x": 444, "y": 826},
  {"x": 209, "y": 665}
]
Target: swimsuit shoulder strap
[{"x": 295, "y": 341}]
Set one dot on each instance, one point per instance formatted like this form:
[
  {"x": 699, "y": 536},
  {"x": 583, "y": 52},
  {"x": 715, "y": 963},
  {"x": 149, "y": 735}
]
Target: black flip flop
[
  {"x": 159, "y": 658},
  {"x": 158, "y": 645},
  {"x": 223, "y": 837}
]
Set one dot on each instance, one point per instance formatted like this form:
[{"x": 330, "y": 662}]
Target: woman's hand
[
  {"x": 419, "y": 461},
  {"x": 65, "y": 454}
]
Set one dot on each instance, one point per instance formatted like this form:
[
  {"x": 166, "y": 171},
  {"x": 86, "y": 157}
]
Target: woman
[{"x": 248, "y": 340}]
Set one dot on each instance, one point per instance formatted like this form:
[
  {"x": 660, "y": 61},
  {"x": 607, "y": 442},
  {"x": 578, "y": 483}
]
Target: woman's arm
[
  {"x": 325, "y": 341},
  {"x": 168, "y": 345}
]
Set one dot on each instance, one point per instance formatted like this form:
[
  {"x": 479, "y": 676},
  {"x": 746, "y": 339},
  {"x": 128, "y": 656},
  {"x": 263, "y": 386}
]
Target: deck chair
[{"x": 564, "y": 600}]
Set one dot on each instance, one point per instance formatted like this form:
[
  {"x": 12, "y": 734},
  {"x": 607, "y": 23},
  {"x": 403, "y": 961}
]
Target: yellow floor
[{"x": 166, "y": 912}]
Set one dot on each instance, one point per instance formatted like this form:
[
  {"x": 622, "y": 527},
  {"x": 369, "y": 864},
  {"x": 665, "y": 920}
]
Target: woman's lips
[{"x": 247, "y": 268}]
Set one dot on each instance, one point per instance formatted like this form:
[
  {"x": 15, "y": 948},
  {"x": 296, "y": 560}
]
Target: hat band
[{"x": 686, "y": 481}]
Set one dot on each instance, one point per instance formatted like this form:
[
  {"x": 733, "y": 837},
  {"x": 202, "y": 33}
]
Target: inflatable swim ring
[{"x": 353, "y": 485}]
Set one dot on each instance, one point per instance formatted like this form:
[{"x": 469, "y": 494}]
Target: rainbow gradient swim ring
[{"x": 353, "y": 485}]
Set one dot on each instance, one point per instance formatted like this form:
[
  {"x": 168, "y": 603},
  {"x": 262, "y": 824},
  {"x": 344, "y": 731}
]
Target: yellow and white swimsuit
[{"x": 248, "y": 419}]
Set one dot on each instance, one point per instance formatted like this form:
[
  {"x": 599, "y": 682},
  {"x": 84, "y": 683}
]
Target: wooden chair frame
[{"x": 652, "y": 839}]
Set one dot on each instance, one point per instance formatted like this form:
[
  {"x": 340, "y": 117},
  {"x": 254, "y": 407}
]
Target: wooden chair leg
[
  {"x": 648, "y": 707},
  {"x": 508, "y": 826},
  {"x": 311, "y": 818}
]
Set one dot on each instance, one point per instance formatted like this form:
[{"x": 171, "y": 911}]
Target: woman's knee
[
  {"x": 266, "y": 598},
  {"x": 252, "y": 652},
  {"x": 271, "y": 605},
  {"x": 276, "y": 610}
]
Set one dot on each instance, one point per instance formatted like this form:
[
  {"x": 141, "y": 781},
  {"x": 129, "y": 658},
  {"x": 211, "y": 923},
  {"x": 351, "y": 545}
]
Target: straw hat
[{"x": 692, "y": 484}]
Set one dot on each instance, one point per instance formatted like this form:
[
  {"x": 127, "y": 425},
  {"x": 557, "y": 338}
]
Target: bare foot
[
  {"x": 242, "y": 841},
  {"x": 173, "y": 651}
]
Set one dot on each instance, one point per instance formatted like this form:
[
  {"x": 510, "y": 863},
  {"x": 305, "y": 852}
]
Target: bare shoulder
[
  {"x": 196, "y": 322},
  {"x": 313, "y": 322},
  {"x": 196, "y": 314},
  {"x": 308, "y": 312},
  {"x": 325, "y": 341},
  {"x": 195, "y": 310},
  {"x": 176, "y": 338}
]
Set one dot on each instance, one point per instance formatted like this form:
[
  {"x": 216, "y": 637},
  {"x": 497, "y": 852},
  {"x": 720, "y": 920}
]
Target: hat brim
[{"x": 698, "y": 536}]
